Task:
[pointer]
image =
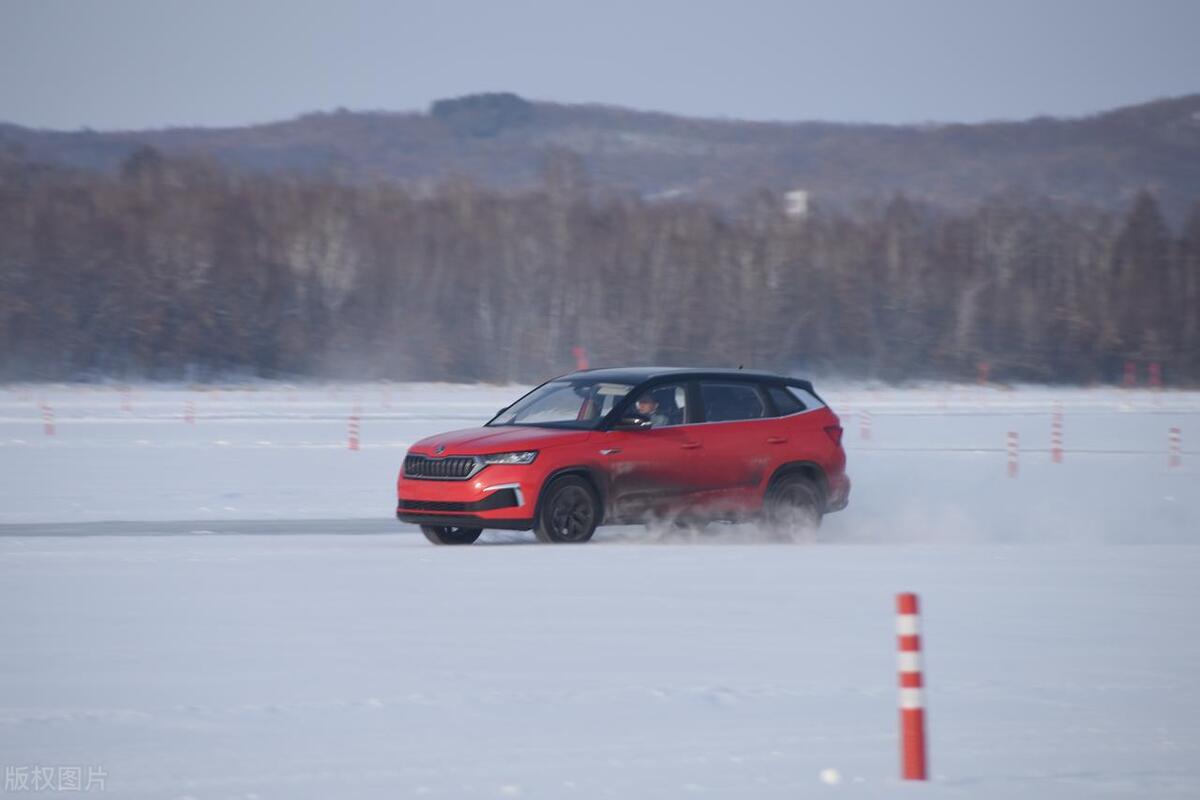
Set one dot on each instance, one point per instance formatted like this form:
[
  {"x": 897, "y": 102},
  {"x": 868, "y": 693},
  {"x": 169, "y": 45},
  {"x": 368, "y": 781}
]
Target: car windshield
[{"x": 576, "y": 403}]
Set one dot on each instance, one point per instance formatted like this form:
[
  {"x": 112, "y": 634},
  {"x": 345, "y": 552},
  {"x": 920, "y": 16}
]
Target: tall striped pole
[
  {"x": 913, "y": 761},
  {"x": 1056, "y": 435},
  {"x": 1014, "y": 449},
  {"x": 1174, "y": 448},
  {"x": 1155, "y": 375},
  {"x": 353, "y": 432},
  {"x": 47, "y": 419},
  {"x": 1130, "y": 375}
]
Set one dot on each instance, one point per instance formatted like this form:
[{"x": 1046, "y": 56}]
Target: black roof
[{"x": 637, "y": 375}]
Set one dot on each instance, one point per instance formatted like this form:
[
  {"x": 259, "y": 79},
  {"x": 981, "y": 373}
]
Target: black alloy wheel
[
  {"x": 444, "y": 534},
  {"x": 569, "y": 512}
]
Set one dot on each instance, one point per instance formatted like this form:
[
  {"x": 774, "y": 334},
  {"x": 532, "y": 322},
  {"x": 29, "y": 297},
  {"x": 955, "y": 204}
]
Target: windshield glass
[{"x": 578, "y": 403}]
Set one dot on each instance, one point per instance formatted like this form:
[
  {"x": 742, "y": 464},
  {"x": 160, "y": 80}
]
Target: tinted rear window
[
  {"x": 727, "y": 402},
  {"x": 785, "y": 402}
]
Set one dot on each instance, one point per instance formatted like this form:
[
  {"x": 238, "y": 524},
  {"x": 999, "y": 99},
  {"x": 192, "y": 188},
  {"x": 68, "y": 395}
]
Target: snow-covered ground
[
  {"x": 933, "y": 468},
  {"x": 1062, "y": 647}
]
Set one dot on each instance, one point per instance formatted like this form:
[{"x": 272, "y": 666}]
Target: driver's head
[{"x": 647, "y": 405}]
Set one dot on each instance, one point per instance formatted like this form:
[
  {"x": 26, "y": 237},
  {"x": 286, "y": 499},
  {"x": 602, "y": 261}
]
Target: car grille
[
  {"x": 432, "y": 505},
  {"x": 502, "y": 498},
  {"x": 452, "y": 468}
]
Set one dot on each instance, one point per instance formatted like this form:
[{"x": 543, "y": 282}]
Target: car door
[
  {"x": 739, "y": 432},
  {"x": 655, "y": 471}
]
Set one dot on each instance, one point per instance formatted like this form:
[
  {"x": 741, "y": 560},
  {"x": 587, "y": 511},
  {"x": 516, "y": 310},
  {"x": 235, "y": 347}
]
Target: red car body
[{"x": 698, "y": 466}]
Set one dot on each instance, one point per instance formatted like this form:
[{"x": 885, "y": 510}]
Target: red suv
[{"x": 620, "y": 446}]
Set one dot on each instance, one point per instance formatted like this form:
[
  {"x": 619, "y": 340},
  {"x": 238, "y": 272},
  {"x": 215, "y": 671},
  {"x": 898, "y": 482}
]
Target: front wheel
[
  {"x": 444, "y": 534},
  {"x": 569, "y": 512}
]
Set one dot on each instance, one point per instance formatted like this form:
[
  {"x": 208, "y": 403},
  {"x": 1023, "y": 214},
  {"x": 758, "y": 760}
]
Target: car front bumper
[{"x": 497, "y": 497}]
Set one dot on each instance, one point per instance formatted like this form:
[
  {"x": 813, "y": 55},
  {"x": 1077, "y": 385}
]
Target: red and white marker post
[
  {"x": 48, "y": 426},
  {"x": 581, "y": 359},
  {"x": 914, "y": 763},
  {"x": 189, "y": 412},
  {"x": 353, "y": 432},
  {"x": 1056, "y": 435},
  {"x": 1174, "y": 448},
  {"x": 1014, "y": 449},
  {"x": 983, "y": 375},
  {"x": 864, "y": 425}
]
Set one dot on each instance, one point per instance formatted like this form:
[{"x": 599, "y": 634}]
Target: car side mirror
[{"x": 634, "y": 422}]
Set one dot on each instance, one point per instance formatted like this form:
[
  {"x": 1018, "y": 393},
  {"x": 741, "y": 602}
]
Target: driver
[{"x": 647, "y": 406}]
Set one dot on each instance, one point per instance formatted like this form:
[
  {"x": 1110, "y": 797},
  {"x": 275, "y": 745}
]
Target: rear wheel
[
  {"x": 569, "y": 512},
  {"x": 445, "y": 534},
  {"x": 793, "y": 507}
]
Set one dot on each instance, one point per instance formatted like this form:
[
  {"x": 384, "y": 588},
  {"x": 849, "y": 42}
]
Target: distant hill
[{"x": 506, "y": 142}]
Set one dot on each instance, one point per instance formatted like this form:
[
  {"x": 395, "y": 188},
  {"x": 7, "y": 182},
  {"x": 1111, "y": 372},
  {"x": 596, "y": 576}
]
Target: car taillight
[{"x": 835, "y": 433}]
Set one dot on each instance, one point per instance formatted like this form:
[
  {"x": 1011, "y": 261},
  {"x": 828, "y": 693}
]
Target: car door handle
[
  {"x": 610, "y": 451},
  {"x": 776, "y": 440},
  {"x": 690, "y": 445}
]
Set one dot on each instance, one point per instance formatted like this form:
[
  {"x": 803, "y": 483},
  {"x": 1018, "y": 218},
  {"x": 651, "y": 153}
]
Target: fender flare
[
  {"x": 809, "y": 469},
  {"x": 589, "y": 474}
]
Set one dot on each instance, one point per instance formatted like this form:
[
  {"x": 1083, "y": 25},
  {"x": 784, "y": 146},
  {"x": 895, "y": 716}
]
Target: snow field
[
  {"x": 1058, "y": 610},
  {"x": 933, "y": 468}
]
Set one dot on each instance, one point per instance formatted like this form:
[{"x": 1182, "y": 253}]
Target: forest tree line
[{"x": 181, "y": 269}]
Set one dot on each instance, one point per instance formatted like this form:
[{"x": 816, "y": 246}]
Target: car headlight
[{"x": 523, "y": 457}]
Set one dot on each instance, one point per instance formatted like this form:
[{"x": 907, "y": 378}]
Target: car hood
[{"x": 500, "y": 439}]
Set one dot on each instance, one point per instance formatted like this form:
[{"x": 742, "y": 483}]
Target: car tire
[
  {"x": 793, "y": 507},
  {"x": 445, "y": 534},
  {"x": 568, "y": 512}
]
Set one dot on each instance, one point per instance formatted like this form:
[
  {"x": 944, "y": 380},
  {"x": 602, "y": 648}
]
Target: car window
[
  {"x": 579, "y": 403},
  {"x": 726, "y": 402},
  {"x": 665, "y": 405},
  {"x": 811, "y": 401},
  {"x": 784, "y": 401}
]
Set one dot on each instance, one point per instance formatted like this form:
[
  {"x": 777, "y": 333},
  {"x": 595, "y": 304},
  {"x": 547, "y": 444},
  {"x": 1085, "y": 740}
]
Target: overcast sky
[{"x": 121, "y": 64}]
